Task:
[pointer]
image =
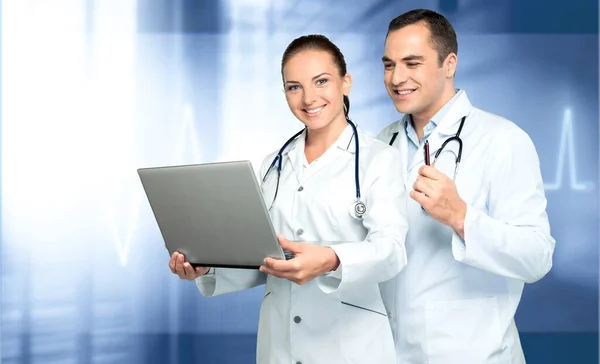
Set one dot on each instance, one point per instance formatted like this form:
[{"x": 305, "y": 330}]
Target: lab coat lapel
[
  {"x": 295, "y": 156},
  {"x": 325, "y": 160},
  {"x": 401, "y": 143},
  {"x": 445, "y": 129},
  {"x": 344, "y": 144}
]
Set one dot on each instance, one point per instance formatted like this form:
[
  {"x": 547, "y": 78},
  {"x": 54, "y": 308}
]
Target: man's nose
[{"x": 399, "y": 76}]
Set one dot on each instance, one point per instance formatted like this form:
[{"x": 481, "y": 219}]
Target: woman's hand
[
  {"x": 184, "y": 269},
  {"x": 309, "y": 262}
]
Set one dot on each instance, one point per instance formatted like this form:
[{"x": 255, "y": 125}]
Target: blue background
[{"x": 93, "y": 90}]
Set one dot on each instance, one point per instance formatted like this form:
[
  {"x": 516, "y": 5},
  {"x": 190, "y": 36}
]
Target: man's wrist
[
  {"x": 459, "y": 220},
  {"x": 334, "y": 260}
]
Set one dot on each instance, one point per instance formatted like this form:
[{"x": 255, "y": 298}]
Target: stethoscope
[
  {"x": 358, "y": 208},
  {"x": 456, "y": 138}
]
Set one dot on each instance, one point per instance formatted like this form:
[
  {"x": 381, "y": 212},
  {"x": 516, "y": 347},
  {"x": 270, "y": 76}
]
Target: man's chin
[{"x": 402, "y": 107}]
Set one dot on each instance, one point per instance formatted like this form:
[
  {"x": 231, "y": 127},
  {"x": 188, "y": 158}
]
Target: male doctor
[{"x": 477, "y": 233}]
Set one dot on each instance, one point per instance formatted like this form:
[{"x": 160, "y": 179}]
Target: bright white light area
[
  {"x": 68, "y": 128},
  {"x": 112, "y": 113},
  {"x": 42, "y": 119}
]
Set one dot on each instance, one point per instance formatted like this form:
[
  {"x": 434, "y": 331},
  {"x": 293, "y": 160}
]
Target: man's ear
[{"x": 450, "y": 65}]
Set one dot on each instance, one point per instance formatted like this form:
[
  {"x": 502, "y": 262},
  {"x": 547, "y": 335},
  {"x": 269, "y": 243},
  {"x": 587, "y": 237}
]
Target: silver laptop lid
[{"x": 212, "y": 213}]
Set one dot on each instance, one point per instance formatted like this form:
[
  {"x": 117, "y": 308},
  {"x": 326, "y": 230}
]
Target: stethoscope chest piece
[{"x": 358, "y": 209}]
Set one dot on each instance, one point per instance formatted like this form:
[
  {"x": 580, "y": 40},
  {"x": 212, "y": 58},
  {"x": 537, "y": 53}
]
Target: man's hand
[
  {"x": 438, "y": 195},
  {"x": 309, "y": 262}
]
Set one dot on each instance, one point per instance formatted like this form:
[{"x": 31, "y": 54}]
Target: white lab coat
[
  {"x": 338, "y": 317},
  {"x": 455, "y": 301}
]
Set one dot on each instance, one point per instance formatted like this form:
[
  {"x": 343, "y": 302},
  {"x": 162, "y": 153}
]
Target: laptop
[{"x": 214, "y": 214}]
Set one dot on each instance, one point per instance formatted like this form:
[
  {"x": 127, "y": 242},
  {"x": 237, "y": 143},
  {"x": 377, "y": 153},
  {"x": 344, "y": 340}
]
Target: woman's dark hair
[{"x": 318, "y": 42}]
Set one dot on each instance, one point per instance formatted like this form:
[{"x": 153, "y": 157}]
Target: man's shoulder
[
  {"x": 378, "y": 156},
  {"x": 376, "y": 149},
  {"x": 495, "y": 124},
  {"x": 387, "y": 132},
  {"x": 501, "y": 134},
  {"x": 375, "y": 144}
]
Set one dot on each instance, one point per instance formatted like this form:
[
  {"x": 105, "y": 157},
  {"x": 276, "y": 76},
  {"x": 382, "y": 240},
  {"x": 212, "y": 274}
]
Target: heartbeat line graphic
[
  {"x": 567, "y": 149},
  {"x": 123, "y": 242}
]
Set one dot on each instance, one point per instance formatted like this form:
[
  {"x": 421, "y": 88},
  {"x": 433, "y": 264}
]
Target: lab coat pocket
[
  {"x": 463, "y": 331},
  {"x": 366, "y": 335},
  {"x": 365, "y": 308}
]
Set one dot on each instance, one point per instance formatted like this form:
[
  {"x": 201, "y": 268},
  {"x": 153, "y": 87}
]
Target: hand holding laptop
[
  {"x": 309, "y": 264},
  {"x": 309, "y": 261},
  {"x": 184, "y": 269}
]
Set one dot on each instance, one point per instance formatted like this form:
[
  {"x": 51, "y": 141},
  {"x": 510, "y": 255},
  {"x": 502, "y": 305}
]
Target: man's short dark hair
[{"x": 443, "y": 36}]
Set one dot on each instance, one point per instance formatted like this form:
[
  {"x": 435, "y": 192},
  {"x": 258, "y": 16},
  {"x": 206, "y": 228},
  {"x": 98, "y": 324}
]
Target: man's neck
[{"x": 420, "y": 120}]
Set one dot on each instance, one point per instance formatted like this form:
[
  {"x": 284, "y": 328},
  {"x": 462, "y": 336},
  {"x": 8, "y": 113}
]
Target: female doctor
[{"x": 335, "y": 201}]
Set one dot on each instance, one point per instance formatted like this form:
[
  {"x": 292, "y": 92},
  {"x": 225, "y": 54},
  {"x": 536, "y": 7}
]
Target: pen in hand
[{"x": 426, "y": 155}]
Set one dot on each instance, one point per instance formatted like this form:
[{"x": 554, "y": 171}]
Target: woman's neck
[{"x": 319, "y": 140}]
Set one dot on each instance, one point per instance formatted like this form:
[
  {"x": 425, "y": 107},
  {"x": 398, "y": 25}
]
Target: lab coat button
[
  {"x": 297, "y": 319},
  {"x": 300, "y": 232},
  {"x": 300, "y": 188}
]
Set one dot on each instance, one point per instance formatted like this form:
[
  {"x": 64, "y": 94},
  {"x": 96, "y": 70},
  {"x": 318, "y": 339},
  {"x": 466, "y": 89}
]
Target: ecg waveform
[
  {"x": 187, "y": 133},
  {"x": 566, "y": 153}
]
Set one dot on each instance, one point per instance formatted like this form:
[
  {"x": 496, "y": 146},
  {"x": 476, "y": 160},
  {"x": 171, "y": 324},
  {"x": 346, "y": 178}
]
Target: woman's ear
[{"x": 347, "y": 84}]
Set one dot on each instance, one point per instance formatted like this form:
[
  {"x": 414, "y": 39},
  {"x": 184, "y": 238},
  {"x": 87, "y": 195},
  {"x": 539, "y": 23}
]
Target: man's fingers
[
  {"x": 420, "y": 197},
  {"x": 423, "y": 185},
  {"x": 430, "y": 172}
]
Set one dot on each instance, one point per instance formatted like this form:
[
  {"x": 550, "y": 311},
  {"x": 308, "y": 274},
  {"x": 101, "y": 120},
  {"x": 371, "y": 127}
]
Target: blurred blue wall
[{"x": 92, "y": 90}]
